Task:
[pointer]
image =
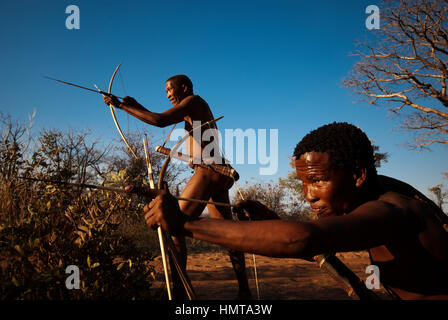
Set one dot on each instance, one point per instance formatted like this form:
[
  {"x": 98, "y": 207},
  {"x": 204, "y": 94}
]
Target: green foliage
[{"x": 40, "y": 245}]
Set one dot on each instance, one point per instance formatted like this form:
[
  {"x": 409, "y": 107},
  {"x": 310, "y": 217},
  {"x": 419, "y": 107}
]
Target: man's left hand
[
  {"x": 112, "y": 100},
  {"x": 164, "y": 212}
]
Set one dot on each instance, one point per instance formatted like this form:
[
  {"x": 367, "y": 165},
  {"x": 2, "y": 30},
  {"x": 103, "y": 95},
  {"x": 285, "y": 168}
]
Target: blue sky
[{"x": 260, "y": 64}]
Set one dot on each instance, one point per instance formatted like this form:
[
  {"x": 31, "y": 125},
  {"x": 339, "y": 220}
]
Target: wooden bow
[
  {"x": 171, "y": 247},
  {"x": 159, "y": 229},
  {"x": 162, "y": 237},
  {"x": 112, "y": 110}
]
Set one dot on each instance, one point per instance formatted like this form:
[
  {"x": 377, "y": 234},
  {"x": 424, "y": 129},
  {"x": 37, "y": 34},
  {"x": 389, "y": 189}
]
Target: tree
[
  {"x": 14, "y": 142},
  {"x": 405, "y": 67},
  {"x": 440, "y": 195},
  {"x": 270, "y": 194},
  {"x": 379, "y": 156},
  {"x": 293, "y": 190},
  {"x": 283, "y": 197},
  {"x": 136, "y": 168},
  {"x": 68, "y": 156}
]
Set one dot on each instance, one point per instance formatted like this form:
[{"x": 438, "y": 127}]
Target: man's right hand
[{"x": 253, "y": 210}]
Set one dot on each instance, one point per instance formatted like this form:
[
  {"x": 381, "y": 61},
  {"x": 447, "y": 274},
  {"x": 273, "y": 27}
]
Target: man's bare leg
[
  {"x": 205, "y": 185},
  {"x": 236, "y": 257},
  {"x": 198, "y": 187}
]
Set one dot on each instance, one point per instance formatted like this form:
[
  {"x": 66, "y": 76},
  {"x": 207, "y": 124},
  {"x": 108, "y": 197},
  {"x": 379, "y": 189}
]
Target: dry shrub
[{"x": 45, "y": 227}]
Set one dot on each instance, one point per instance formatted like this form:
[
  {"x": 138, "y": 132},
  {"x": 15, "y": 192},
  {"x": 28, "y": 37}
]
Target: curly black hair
[
  {"x": 180, "y": 80},
  {"x": 348, "y": 146}
]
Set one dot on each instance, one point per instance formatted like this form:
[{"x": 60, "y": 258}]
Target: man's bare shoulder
[
  {"x": 408, "y": 210},
  {"x": 398, "y": 187},
  {"x": 387, "y": 207},
  {"x": 404, "y": 195},
  {"x": 194, "y": 99},
  {"x": 416, "y": 207},
  {"x": 396, "y": 198}
]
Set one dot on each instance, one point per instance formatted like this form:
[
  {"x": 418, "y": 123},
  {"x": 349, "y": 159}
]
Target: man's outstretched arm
[
  {"x": 274, "y": 238},
  {"x": 366, "y": 227},
  {"x": 170, "y": 116}
]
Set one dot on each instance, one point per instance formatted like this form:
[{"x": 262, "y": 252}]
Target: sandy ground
[{"x": 212, "y": 277}]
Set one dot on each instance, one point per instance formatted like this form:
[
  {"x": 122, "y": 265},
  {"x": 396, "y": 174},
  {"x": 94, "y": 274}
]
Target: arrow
[
  {"x": 82, "y": 87},
  {"x": 149, "y": 193}
]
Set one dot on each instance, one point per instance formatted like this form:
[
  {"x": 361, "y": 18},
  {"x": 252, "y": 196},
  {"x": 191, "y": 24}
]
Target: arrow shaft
[
  {"x": 82, "y": 87},
  {"x": 135, "y": 191},
  {"x": 82, "y": 185}
]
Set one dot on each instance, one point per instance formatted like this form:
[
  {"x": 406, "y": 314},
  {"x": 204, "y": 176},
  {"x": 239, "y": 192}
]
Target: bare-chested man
[
  {"x": 402, "y": 230},
  {"x": 205, "y": 184}
]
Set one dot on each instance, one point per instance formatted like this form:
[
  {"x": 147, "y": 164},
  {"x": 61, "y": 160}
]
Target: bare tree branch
[{"x": 405, "y": 68}]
